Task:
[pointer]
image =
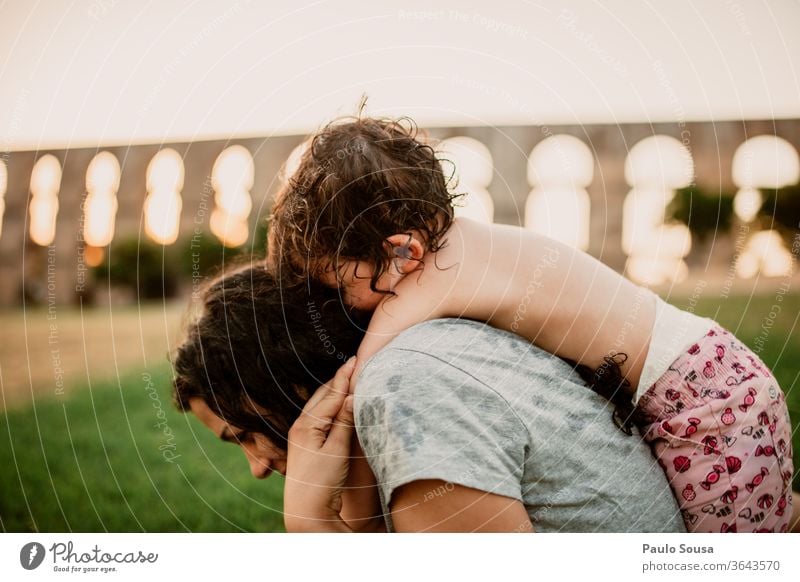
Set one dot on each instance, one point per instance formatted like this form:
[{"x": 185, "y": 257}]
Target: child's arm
[
  {"x": 557, "y": 297},
  {"x": 412, "y": 303}
]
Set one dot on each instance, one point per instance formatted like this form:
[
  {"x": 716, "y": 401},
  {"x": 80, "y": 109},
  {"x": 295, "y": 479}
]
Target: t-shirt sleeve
[{"x": 419, "y": 417}]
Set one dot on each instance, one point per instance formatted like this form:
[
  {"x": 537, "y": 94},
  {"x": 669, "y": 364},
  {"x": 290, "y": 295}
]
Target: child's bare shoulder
[
  {"x": 472, "y": 240},
  {"x": 464, "y": 236}
]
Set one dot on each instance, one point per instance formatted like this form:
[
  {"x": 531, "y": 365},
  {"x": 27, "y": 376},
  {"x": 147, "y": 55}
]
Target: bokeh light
[
  {"x": 747, "y": 203},
  {"x": 3, "y": 188},
  {"x": 100, "y": 206},
  {"x": 292, "y": 163},
  {"x": 232, "y": 178},
  {"x": 473, "y": 169},
  {"x": 768, "y": 162},
  {"x": 162, "y": 207},
  {"x": 763, "y": 161},
  {"x": 45, "y": 184},
  {"x": 766, "y": 254},
  {"x": 654, "y": 168},
  {"x": 560, "y": 169}
]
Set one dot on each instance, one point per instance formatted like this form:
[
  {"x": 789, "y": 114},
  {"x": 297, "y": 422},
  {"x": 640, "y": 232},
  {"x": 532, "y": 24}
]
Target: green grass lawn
[{"x": 96, "y": 460}]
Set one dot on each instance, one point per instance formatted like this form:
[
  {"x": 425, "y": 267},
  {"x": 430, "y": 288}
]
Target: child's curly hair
[{"x": 360, "y": 181}]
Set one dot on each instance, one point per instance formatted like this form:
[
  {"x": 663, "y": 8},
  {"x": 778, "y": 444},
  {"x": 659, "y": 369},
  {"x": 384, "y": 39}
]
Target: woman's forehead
[{"x": 205, "y": 415}]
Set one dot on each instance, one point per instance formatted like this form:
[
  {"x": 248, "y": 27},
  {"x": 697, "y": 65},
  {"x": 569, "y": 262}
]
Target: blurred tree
[
  {"x": 781, "y": 211},
  {"x": 203, "y": 255},
  {"x": 260, "y": 239},
  {"x": 146, "y": 268},
  {"x": 153, "y": 271},
  {"x": 704, "y": 212}
]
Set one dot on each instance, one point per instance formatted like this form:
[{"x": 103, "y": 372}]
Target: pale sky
[{"x": 111, "y": 72}]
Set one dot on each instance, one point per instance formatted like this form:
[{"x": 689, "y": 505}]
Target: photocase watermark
[
  {"x": 99, "y": 8},
  {"x": 730, "y": 276},
  {"x": 680, "y": 325},
  {"x": 697, "y": 292},
  {"x": 547, "y": 261},
  {"x": 67, "y": 559},
  {"x": 315, "y": 316},
  {"x": 523, "y": 527},
  {"x": 168, "y": 448},
  {"x": 438, "y": 491},
  {"x": 80, "y": 247},
  {"x": 506, "y": 99},
  {"x": 632, "y": 319},
  {"x": 52, "y": 322},
  {"x": 542, "y": 510},
  {"x": 465, "y": 477},
  {"x": 168, "y": 71},
  {"x": 745, "y": 164},
  {"x": 320, "y": 169},
  {"x": 15, "y": 123},
  {"x": 767, "y": 323},
  {"x": 736, "y": 10},
  {"x": 568, "y": 20},
  {"x": 197, "y": 237},
  {"x": 31, "y": 555},
  {"x": 422, "y": 14},
  {"x": 351, "y": 149},
  {"x": 677, "y": 108},
  {"x": 487, "y": 22}
]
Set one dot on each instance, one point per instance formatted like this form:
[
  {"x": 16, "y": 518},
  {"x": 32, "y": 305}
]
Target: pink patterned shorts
[{"x": 719, "y": 426}]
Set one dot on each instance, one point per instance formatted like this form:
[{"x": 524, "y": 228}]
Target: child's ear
[{"x": 406, "y": 251}]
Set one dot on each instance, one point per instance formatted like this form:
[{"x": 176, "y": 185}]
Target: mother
[{"x": 253, "y": 356}]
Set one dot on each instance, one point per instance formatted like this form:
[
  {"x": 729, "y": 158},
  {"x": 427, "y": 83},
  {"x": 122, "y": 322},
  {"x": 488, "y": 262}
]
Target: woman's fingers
[
  {"x": 341, "y": 433},
  {"x": 318, "y": 458},
  {"x": 340, "y": 382},
  {"x": 322, "y": 408}
]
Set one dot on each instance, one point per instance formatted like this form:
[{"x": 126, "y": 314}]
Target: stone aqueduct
[{"x": 59, "y": 262}]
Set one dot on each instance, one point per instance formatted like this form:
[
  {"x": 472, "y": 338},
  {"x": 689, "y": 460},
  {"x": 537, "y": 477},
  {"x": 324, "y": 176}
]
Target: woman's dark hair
[
  {"x": 610, "y": 383},
  {"x": 360, "y": 180},
  {"x": 259, "y": 346}
]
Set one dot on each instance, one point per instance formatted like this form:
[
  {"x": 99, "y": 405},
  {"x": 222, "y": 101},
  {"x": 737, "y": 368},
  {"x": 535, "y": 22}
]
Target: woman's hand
[{"x": 318, "y": 458}]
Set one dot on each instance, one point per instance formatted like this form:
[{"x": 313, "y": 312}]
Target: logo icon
[{"x": 31, "y": 555}]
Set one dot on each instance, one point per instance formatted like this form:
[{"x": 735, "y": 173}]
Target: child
[{"x": 369, "y": 212}]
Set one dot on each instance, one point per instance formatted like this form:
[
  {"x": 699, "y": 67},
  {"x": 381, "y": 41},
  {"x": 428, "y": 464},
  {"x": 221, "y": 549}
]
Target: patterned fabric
[{"x": 719, "y": 426}]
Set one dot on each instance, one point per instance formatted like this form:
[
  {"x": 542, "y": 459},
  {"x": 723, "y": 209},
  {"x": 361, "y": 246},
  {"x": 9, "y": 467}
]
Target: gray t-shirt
[{"x": 470, "y": 405}]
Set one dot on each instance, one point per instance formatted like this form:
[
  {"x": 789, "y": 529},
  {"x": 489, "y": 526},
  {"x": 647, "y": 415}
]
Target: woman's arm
[
  {"x": 418, "y": 297},
  {"x": 318, "y": 456},
  {"x": 329, "y": 485},
  {"x": 361, "y": 505},
  {"x": 436, "y": 506}
]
